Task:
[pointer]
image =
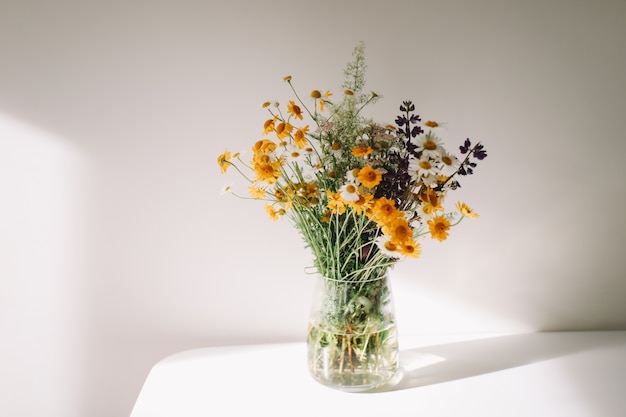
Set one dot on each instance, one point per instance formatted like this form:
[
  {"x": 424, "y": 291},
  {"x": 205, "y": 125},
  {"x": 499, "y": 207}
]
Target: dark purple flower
[
  {"x": 479, "y": 152},
  {"x": 466, "y": 146}
]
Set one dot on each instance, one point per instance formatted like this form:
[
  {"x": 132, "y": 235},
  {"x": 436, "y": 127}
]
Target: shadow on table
[{"x": 430, "y": 365}]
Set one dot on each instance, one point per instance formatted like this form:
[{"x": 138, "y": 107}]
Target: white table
[{"x": 567, "y": 374}]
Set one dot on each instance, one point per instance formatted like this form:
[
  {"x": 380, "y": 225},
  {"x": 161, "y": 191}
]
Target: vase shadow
[{"x": 429, "y": 365}]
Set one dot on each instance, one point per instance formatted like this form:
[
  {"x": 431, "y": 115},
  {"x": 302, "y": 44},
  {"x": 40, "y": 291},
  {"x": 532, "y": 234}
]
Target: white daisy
[
  {"x": 293, "y": 154},
  {"x": 387, "y": 247},
  {"x": 422, "y": 167},
  {"x": 449, "y": 162},
  {"x": 227, "y": 188},
  {"x": 351, "y": 176},
  {"x": 434, "y": 126},
  {"x": 430, "y": 180},
  {"x": 349, "y": 192},
  {"x": 429, "y": 144}
]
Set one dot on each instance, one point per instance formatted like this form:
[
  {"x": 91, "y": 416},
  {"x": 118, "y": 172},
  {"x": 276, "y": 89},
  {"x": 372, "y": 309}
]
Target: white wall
[{"x": 127, "y": 252}]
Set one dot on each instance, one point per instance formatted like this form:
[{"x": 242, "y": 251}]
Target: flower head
[
  {"x": 369, "y": 177},
  {"x": 399, "y": 230},
  {"x": 274, "y": 214},
  {"x": 256, "y": 192},
  {"x": 422, "y": 167},
  {"x": 226, "y": 189},
  {"x": 299, "y": 138},
  {"x": 384, "y": 211},
  {"x": 411, "y": 249},
  {"x": 389, "y": 248},
  {"x": 283, "y": 130},
  {"x": 349, "y": 192},
  {"x": 466, "y": 211},
  {"x": 429, "y": 145},
  {"x": 362, "y": 151},
  {"x": 269, "y": 126},
  {"x": 224, "y": 161},
  {"x": 294, "y": 110},
  {"x": 336, "y": 203},
  {"x": 439, "y": 227}
]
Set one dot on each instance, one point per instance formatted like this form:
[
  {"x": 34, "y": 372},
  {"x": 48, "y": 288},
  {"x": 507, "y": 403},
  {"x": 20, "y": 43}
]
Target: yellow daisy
[
  {"x": 272, "y": 212},
  {"x": 223, "y": 161},
  {"x": 466, "y": 211},
  {"x": 399, "y": 230},
  {"x": 411, "y": 249},
  {"x": 361, "y": 205},
  {"x": 269, "y": 126},
  {"x": 335, "y": 203},
  {"x": 294, "y": 110},
  {"x": 283, "y": 130},
  {"x": 369, "y": 177},
  {"x": 299, "y": 138},
  {"x": 256, "y": 192},
  {"x": 384, "y": 211},
  {"x": 362, "y": 151},
  {"x": 439, "y": 227}
]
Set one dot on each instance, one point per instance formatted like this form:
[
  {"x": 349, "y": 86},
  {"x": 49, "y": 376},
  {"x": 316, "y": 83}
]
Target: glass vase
[{"x": 352, "y": 339}]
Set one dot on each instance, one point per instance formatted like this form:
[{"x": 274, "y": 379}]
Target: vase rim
[{"x": 347, "y": 281}]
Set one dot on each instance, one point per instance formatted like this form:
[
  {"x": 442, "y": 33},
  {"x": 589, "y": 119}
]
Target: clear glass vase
[{"x": 352, "y": 339}]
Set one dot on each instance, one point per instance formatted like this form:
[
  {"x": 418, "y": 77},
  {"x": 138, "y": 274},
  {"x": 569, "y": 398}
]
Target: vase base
[{"x": 354, "y": 382}]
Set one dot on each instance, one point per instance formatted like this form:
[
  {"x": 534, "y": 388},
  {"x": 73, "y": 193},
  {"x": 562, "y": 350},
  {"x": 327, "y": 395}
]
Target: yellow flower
[
  {"x": 263, "y": 146},
  {"x": 362, "y": 204},
  {"x": 316, "y": 94},
  {"x": 391, "y": 249},
  {"x": 267, "y": 172},
  {"x": 299, "y": 138},
  {"x": 266, "y": 104},
  {"x": 283, "y": 130},
  {"x": 287, "y": 78},
  {"x": 335, "y": 203},
  {"x": 269, "y": 126},
  {"x": 369, "y": 177},
  {"x": 362, "y": 151},
  {"x": 430, "y": 196},
  {"x": 294, "y": 110},
  {"x": 349, "y": 92},
  {"x": 256, "y": 192},
  {"x": 223, "y": 161},
  {"x": 439, "y": 227},
  {"x": 323, "y": 102},
  {"x": 411, "y": 249},
  {"x": 384, "y": 210},
  {"x": 399, "y": 230},
  {"x": 265, "y": 165},
  {"x": 466, "y": 211},
  {"x": 274, "y": 214},
  {"x": 431, "y": 123},
  {"x": 428, "y": 209}
]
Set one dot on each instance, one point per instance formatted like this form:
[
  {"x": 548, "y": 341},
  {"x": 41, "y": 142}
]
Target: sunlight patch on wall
[
  {"x": 41, "y": 228},
  {"x": 421, "y": 310}
]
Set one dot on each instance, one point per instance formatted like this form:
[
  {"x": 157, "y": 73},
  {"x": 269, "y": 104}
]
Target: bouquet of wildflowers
[{"x": 360, "y": 193}]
